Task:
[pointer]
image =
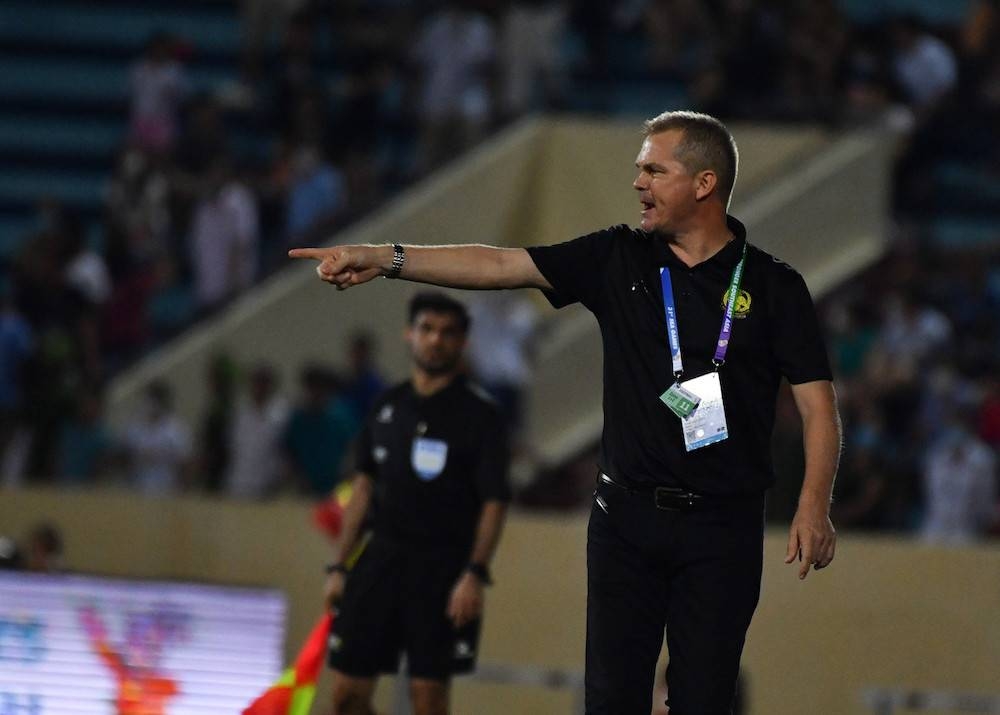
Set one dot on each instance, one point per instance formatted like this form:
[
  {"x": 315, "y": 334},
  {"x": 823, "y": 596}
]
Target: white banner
[{"x": 73, "y": 645}]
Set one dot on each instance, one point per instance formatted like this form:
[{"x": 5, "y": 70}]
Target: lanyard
[{"x": 670, "y": 309}]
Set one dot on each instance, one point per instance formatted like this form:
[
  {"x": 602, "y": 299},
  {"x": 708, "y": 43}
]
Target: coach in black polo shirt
[{"x": 698, "y": 328}]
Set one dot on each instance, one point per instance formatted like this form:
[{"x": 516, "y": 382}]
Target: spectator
[
  {"x": 10, "y": 555},
  {"x": 682, "y": 38},
  {"x": 86, "y": 271},
  {"x": 224, "y": 238},
  {"x": 260, "y": 21},
  {"x": 85, "y": 444},
  {"x": 317, "y": 196},
  {"x": 217, "y": 424},
  {"x": 318, "y": 433},
  {"x": 364, "y": 382},
  {"x": 157, "y": 445},
  {"x": 158, "y": 85},
  {"x": 454, "y": 54},
  {"x": 500, "y": 348},
  {"x": 44, "y": 552},
  {"x": 255, "y": 440},
  {"x": 16, "y": 347},
  {"x": 960, "y": 487},
  {"x": 911, "y": 332},
  {"x": 531, "y": 64},
  {"x": 924, "y": 66},
  {"x": 138, "y": 209}
]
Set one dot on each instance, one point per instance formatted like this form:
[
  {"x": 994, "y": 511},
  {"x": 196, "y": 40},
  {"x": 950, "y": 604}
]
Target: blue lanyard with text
[{"x": 670, "y": 309}]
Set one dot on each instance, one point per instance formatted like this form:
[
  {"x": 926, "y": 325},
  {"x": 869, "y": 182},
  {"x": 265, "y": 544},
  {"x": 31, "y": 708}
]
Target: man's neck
[
  {"x": 426, "y": 384},
  {"x": 698, "y": 245}
]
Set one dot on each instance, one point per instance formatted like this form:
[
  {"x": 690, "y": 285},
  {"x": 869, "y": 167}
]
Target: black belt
[{"x": 669, "y": 498}]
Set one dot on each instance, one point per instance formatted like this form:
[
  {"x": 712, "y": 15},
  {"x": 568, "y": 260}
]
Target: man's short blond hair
[{"x": 705, "y": 144}]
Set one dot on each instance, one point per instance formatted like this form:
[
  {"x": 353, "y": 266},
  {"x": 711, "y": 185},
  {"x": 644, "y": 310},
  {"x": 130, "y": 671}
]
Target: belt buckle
[{"x": 673, "y": 499}]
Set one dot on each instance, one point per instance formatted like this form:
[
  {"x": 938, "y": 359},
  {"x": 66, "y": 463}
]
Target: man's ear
[{"x": 705, "y": 184}]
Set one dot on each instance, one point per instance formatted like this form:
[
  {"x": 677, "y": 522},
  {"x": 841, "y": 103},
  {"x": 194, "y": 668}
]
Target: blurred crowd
[{"x": 356, "y": 100}]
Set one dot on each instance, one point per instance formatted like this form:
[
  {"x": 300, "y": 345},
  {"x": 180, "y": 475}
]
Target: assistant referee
[
  {"x": 431, "y": 479},
  {"x": 698, "y": 327}
]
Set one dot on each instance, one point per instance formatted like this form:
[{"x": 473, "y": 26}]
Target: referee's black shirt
[
  {"x": 615, "y": 274},
  {"x": 434, "y": 461}
]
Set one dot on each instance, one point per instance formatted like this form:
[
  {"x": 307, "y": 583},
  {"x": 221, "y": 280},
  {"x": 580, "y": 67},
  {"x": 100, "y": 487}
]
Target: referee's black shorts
[
  {"x": 695, "y": 573},
  {"x": 394, "y": 603}
]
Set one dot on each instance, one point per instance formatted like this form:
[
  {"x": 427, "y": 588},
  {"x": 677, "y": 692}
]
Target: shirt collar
[{"x": 728, "y": 256}]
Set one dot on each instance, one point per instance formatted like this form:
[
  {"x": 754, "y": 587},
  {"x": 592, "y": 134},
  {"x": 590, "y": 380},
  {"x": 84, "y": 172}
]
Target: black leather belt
[{"x": 668, "y": 498}]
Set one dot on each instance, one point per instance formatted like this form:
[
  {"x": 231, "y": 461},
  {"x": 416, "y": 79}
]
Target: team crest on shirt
[
  {"x": 384, "y": 415},
  {"x": 428, "y": 457},
  {"x": 742, "y": 307}
]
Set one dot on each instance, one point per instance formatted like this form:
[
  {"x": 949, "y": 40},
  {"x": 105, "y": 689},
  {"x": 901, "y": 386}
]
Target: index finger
[
  {"x": 808, "y": 561},
  {"x": 316, "y": 253}
]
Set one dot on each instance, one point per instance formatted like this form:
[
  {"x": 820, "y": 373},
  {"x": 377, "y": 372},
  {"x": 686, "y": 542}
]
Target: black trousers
[{"x": 695, "y": 573}]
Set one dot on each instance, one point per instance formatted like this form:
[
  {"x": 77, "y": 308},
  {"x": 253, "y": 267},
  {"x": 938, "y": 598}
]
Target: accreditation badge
[
  {"x": 706, "y": 423},
  {"x": 428, "y": 457}
]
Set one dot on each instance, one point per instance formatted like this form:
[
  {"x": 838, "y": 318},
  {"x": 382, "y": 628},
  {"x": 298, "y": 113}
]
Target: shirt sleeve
[
  {"x": 493, "y": 463},
  {"x": 364, "y": 461},
  {"x": 575, "y": 269},
  {"x": 798, "y": 340}
]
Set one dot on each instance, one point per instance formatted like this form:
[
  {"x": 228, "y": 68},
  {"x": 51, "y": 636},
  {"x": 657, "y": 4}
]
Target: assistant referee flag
[{"x": 294, "y": 691}]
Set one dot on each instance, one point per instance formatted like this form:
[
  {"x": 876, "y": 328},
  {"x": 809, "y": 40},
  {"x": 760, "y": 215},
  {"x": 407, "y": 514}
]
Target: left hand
[
  {"x": 811, "y": 538},
  {"x": 466, "y": 601}
]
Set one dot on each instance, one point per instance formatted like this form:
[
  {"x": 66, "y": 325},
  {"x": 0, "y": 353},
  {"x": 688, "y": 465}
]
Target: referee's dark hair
[
  {"x": 437, "y": 302},
  {"x": 706, "y": 144}
]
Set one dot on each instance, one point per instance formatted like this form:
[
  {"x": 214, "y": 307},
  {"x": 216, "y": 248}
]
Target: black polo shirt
[
  {"x": 615, "y": 274},
  {"x": 434, "y": 462}
]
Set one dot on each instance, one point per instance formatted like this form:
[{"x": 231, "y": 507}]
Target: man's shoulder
[
  {"x": 773, "y": 267},
  {"x": 479, "y": 400},
  {"x": 387, "y": 400}
]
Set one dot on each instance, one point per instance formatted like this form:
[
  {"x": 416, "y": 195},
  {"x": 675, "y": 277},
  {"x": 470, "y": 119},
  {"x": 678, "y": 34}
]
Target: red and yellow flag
[{"x": 294, "y": 691}]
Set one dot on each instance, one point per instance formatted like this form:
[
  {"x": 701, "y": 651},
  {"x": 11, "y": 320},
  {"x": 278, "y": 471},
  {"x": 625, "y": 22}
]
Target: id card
[
  {"x": 680, "y": 400},
  {"x": 707, "y": 422}
]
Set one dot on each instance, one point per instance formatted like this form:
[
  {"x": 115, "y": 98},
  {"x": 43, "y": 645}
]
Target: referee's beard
[{"x": 439, "y": 366}]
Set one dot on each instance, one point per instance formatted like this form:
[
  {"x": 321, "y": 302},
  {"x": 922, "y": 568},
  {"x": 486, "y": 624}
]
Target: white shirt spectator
[
  {"x": 88, "y": 273},
  {"x": 454, "y": 49},
  {"x": 255, "y": 446},
  {"x": 961, "y": 489},
  {"x": 912, "y": 332},
  {"x": 927, "y": 70},
  {"x": 224, "y": 239},
  {"x": 159, "y": 449},
  {"x": 503, "y": 326},
  {"x": 157, "y": 88}
]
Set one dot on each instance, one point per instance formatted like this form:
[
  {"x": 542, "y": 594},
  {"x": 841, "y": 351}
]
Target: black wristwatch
[
  {"x": 335, "y": 567},
  {"x": 480, "y": 571}
]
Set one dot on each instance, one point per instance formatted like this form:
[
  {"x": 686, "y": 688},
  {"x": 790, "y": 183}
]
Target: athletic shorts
[{"x": 394, "y": 603}]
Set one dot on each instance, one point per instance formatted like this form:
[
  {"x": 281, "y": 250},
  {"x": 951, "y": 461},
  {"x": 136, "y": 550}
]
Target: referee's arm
[
  {"x": 466, "y": 600},
  {"x": 350, "y": 536},
  {"x": 354, "y": 516},
  {"x": 812, "y": 538}
]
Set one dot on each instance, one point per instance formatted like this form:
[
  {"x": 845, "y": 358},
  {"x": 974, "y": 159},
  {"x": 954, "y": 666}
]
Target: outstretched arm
[{"x": 466, "y": 266}]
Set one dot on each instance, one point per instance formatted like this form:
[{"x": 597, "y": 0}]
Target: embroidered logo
[
  {"x": 742, "y": 307},
  {"x": 428, "y": 457},
  {"x": 384, "y": 415}
]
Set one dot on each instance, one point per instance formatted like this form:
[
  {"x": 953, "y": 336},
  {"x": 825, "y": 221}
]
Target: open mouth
[{"x": 646, "y": 205}]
